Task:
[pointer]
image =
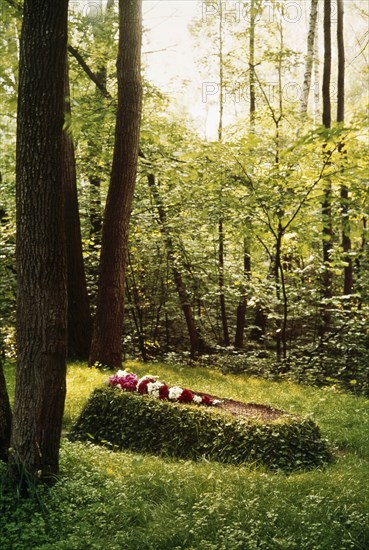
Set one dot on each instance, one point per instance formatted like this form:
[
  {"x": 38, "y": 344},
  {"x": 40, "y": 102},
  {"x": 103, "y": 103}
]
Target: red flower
[
  {"x": 163, "y": 392},
  {"x": 206, "y": 400},
  {"x": 186, "y": 396},
  {"x": 142, "y": 387}
]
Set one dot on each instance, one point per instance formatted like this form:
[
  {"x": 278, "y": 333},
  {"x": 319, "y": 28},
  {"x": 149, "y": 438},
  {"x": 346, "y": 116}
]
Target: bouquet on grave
[{"x": 150, "y": 385}]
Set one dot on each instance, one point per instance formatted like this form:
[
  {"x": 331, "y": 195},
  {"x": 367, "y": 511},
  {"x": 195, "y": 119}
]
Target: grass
[{"x": 128, "y": 501}]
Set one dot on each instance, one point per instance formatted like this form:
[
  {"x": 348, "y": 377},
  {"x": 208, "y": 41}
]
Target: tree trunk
[
  {"x": 5, "y": 416},
  {"x": 241, "y": 308},
  {"x": 327, "y": 234},
  {"x": 106, "y": 347},
  {"x": 79, "y": 315},
  {"x": 95, "y": 207},
  {"x": 222, "y": 301},
  {"x": 346, "y": 233},
  {"x": 242, "y": 305},
  {"x": 252, "y": 64},
  {"x": 223, "y": 312},
  {"x": 341, "y": 63},
  {"x": 327, "y": 65},
  {"x": 309, "y": 57},
  {"x": 316, "y": 70},
  {"x": 41, "y": 258}
]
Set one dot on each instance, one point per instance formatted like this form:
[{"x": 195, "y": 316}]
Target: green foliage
[{"x": 145, "y": 424}]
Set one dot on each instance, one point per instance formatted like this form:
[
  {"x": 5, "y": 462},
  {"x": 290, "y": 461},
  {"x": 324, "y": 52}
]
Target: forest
[{"x": 183, "y": 189}]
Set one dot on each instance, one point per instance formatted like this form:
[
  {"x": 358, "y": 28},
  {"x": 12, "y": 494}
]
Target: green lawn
[{"x": 127, "y": 501}]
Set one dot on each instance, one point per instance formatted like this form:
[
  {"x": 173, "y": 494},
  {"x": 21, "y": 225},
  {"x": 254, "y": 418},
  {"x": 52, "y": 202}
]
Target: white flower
[
  {"x": 174, "y": 393},
  {"x": 146, "y": 377},
  {"x": 153, "y": 388},
  {"x": 197, "y": 399},
  {"x": 216, "y": 401},
  {"x": 122, "y": 373}
]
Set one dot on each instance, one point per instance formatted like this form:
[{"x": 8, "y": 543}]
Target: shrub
[{"x": 145, "y": 424}]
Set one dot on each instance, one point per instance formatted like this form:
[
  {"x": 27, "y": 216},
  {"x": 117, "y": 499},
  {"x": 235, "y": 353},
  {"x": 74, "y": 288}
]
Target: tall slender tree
[
  {"x": 222, "y": 300},
  {"x": 41, "y": 258},
  {"x": 94, "y": 145},
  {"x": 242, "y": 305},
  {"x": 327, "y": 236},
  {"x": 79, "y": 314},
  {"x": 106, "y": 347},
  {"x": 309, "y": 57},
  {"x": 344, "y": 192}
]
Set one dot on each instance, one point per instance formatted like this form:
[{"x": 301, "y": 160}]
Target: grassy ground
[{"x": 127, "y": 501}]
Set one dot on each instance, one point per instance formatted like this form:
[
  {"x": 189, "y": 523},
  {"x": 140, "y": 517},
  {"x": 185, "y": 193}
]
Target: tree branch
[{"x": 78, "y": 57}]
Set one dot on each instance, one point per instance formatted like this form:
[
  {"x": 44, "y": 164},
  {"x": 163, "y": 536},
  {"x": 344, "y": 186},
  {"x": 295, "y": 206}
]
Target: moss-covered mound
[{"x": 146, "y": 424}]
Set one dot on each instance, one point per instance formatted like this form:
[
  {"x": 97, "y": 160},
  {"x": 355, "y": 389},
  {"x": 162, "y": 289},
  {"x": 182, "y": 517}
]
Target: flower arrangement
[{"x": 150, "y": 385}]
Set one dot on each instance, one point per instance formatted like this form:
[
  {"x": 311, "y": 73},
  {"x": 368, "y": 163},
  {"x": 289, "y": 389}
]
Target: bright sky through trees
[{"x": 173, "y": 58}]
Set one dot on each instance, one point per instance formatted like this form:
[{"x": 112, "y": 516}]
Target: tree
[
  {"x": 41, "y": 258},
  {"x": 5, "y": 416},
  {"x": 99, "y": 28},
  {"x": 79, "y": 314},
  {"x": 327, "y": 233},
  {"x": 346, "y": 238},
  {"x": 106, "y": 347},
  {"x": 309, "y": 57},
  {"x": 241, "y": 308}
]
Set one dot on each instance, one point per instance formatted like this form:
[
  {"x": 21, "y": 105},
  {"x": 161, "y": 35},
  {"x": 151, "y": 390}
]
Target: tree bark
[
  {"x": 5, "y": 416},
  {"x": 41, "y": 258},
  {"x": 242, "y": 306},
  {"x": 223, "y": 310},
  {"x": 341, "y": 63},
  {"x": 222, "y": 300},
  {"x": 309, "y": 57},
  {"x": 79, "y": 315},
  {"x": 106, "y": 347},
  {"x": 327, "y": 234},
  {"x": 327, "y": 119},
  {"x": 344, "y": 192}
]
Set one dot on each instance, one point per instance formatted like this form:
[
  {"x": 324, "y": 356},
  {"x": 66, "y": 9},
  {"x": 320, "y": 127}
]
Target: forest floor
[{"x": 122, "y": 500}]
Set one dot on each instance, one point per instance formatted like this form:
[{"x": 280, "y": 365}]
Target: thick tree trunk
[
  {"x": 79, "y": 315},
  {"x": 41, "y": 262},
  {"x": 106, "y": 347},
  {"x": 5, "y": 417},
  {"x": 309, "y": 57}
]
